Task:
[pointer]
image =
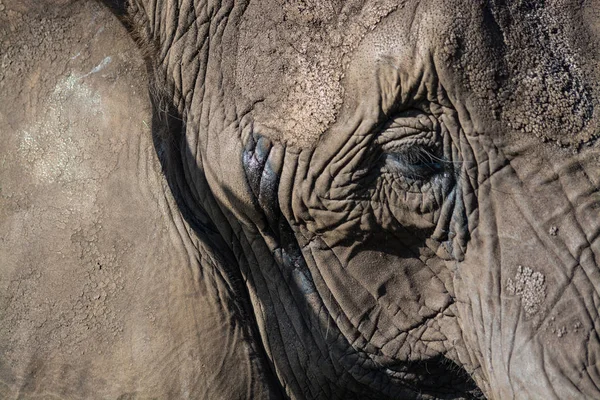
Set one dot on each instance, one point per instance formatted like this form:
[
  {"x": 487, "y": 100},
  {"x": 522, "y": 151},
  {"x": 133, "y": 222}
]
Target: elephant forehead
[
  {"x": 531, "y": 65},
  {"x": 291, "y": 58}
]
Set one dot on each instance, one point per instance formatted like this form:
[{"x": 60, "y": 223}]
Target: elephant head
[{"x": 403, "y": 195}]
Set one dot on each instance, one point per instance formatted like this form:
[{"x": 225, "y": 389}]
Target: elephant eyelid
[
  {"x": 410, "y": 125},
  {"x": 409, "y": 146},
  {"x": 414, "y": 162}
]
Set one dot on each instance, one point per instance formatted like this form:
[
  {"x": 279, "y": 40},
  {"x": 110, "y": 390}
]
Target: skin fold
[{"x": 381, "y": 199}]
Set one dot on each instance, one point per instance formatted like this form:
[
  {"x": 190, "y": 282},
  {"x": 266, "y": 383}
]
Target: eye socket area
[{"x": 410, "y": 146}]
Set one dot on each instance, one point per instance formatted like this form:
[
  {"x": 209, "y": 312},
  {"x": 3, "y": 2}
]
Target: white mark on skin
[
  {"x": 76, "y": 56},
  {"x": 99, "y": 31},
  {"x": 553, "y": 231},
  {"x": 98, "y": 67},
  {"x": 530, "y": 287}
]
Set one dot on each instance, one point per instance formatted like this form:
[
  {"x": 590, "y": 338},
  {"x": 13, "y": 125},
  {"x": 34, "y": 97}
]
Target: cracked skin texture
[{"x": 372, "y": 199}]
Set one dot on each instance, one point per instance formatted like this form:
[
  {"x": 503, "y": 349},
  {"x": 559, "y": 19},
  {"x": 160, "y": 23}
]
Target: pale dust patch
[
  {"x": 56, "y": 144},
  {"x": 52, "y": 142},
  {"x": 530, "y": 286}
]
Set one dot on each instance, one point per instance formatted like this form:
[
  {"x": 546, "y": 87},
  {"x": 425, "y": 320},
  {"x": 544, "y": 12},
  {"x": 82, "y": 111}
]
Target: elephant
[{"x": 361, "y": 199}]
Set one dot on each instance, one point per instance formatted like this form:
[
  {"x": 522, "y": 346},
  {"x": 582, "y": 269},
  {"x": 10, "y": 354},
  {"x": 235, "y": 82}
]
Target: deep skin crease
[{"x": 438, "y": 237}]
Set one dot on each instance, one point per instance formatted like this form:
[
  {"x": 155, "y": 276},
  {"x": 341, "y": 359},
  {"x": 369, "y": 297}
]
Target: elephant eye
[
  {"x": 410, "y": 148},
  {"x": 415, "y": 162}
]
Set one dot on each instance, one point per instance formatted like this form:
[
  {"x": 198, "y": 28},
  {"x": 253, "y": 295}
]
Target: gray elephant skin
[{"x": 361, "y": 199}]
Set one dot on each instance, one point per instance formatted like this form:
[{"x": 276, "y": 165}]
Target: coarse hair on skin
[
  {"x": 137, "y": 23},
  {"x": 139, "y": 27}
]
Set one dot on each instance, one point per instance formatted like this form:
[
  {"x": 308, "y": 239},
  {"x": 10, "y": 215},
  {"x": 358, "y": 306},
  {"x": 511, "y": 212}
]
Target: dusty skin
[{"x": 361, "y": 199}]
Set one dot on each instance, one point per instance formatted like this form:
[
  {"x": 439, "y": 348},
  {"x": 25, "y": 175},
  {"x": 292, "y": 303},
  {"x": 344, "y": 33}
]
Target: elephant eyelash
[{"x": 415, "y": 163}]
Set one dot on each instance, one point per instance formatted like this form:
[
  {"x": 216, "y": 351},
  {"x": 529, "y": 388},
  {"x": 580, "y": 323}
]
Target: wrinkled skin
[{"x": 391, "y": 201}]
